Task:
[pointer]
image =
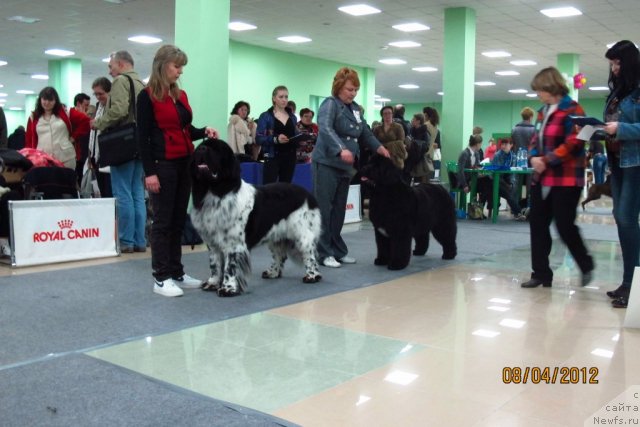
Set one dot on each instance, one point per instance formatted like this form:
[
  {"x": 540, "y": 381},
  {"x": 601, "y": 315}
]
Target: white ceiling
[{"x": 93, "y": 28}]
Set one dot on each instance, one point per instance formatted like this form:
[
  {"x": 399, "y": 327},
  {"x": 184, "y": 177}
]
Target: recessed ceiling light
[
  {"x": 3, "y": 63},
  {"x": 412, "y": 26},
  {"x": 359, "y": 10},
  {"x": 406, "y": 43},
  {"x": 146, "y": 80},
  {"x": 241, "y": 26},
  {"x": 23, "y": 19},
  {"x": 598, "y": 88},
  {"x": 507, "y": 73},
  {"x": 107, "y": 59},
  {"x": 40, "y": 76},
  {"x": 59, "y": 52},
  {"x": 1, "y": 85},
  {"x": 496, "y": 54},
  {"x": 144, "y": 39},
  {"x": 523, "y": 62},
  {"x": 294, "y": 39},
  {"x": 484, "y": 83},
  {"x": 392, "y": 61},
  {"x": 16, "y": 108},
  {"x": 409, "y": 86},
  {"x": 424, "y": 69},
  {"x": 531, "y": 95},
  {"x": 441, "y": 93},
  {"x": 25, "y": 92},
  {"x": 561, "y": 12},
  {"x": 383, "y": 100},
  {"x": 2, "y": 94},
  {"x": 518, "y": 91}
]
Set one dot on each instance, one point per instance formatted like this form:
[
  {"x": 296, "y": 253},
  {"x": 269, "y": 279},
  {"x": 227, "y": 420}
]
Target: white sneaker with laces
[
  {"x": 167, "y": 288},
  {"x": 330, "y": 262},
  {"x": 188, "y": 282},
  {"x": 347, "y": 260}
]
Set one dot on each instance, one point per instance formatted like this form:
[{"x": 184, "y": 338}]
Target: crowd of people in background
[{"x": 335, "y": 148}]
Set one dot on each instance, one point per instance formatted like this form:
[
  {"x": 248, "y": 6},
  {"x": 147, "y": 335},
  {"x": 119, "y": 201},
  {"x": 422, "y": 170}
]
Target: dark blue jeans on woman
[
  {"x": 599, "y": 168},
  {"x": 625, "y": 183}
]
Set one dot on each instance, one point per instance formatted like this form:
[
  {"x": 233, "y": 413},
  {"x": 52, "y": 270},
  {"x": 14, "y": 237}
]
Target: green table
[{"x": 495, "y": 175}]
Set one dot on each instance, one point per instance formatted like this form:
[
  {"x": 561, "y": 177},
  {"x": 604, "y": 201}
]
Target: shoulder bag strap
[{"x": 132, "y": 99}]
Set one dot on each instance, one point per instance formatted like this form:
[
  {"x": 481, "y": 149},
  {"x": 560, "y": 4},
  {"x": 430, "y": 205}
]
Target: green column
[
  {"x": 457, "y": 81},
  {"x": 29, "y": 106},
  {"x": 367, "y": 92},
  {"x": 569, "y": 65},
  {"x": 202, "y": 32},
  {"x": 65, "y": 75}
]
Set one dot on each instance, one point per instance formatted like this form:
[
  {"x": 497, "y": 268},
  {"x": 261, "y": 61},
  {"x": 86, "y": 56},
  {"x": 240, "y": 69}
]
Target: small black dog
[
  {"x": 400, "y": 213},
  {"x": 598, "y": 190}
]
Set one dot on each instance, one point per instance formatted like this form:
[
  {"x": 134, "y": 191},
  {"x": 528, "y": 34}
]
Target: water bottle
[{"x": 522, "y": 158}]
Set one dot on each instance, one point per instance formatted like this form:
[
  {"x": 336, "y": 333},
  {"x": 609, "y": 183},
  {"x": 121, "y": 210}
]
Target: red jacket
[{"x": 77, "y": 124}]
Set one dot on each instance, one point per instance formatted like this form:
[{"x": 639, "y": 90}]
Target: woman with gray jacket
[{"x": 341, "y": 125}]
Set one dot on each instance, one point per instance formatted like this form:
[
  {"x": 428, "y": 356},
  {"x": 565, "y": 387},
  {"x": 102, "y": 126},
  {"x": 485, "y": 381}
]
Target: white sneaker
[
  {"x": 347, "y": 260},
  {"x": 330, "y": 262},
  {"x": 188, "y": 282},
  {"x": 167, "y": 288}
]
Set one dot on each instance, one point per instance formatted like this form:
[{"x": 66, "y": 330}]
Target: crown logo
[{"x": 65, "y": 223}]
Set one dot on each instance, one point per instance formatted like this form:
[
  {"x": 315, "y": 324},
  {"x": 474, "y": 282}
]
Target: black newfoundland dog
[
  {"x": 400, "y": 212},
  {"x": 232, "y": 217}
]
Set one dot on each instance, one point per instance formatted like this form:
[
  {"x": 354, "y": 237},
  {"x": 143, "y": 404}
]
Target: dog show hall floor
[{"x": 90, "y": 344}]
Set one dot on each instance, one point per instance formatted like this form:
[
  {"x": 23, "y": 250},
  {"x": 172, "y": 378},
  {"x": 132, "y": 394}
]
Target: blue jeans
[
  {"x": 128, "y": 189},
  {"x": 626, "y": 208},
  {"x": 599, "y": 167}
]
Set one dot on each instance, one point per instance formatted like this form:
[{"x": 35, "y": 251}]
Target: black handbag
[{"x": 119, "y": 144}]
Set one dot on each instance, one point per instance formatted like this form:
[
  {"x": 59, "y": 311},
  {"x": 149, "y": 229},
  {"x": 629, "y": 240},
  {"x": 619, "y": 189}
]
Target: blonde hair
[
  {"x": 341, "y": 78},
  {"x": 158, "y": 81},
  {"x": 550, "y": 80},
  {"x": 526, "y": 113}
]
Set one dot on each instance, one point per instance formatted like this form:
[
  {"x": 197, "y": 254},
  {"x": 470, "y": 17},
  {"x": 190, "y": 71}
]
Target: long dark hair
[
  {"x": 239, "y": 105},
  {"x": 50, "y": 94},
  {"x": 431, "y": 115},
  {"x": 629, "y": 74}
]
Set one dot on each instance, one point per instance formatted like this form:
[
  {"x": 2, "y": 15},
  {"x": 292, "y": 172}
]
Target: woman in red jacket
[
  {"x": 165, "y": 136},
  {"x": 54, "y": 131}
]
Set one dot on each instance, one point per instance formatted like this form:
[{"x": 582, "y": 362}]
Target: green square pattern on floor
[{"x": 261, "y": 361}]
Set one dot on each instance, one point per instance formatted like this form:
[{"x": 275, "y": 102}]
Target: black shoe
[
  {"x": 534, "y": 283},
  {"x": 621, "y": 291},
  {"x": 620, "y": 302},
  {"x": 586, "y": 278}
]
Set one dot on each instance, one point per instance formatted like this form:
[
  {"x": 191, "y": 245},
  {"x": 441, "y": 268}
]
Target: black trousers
[
  {"x": 169, "y": 215},
  {"x": 279, "y": 168},
  {"x": 560, "y": 205}
]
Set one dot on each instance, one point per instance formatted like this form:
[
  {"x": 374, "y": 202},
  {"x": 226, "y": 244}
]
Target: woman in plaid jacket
[{"x": 559, "y": 161}]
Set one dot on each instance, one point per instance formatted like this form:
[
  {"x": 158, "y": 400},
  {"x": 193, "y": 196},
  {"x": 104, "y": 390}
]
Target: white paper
[{"x": 587, "y": 132}]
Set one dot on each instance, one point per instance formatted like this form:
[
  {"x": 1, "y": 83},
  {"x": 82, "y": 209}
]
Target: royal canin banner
[
  {"x": 352, "y": 214},
  {"x": 48, "y": 231}
]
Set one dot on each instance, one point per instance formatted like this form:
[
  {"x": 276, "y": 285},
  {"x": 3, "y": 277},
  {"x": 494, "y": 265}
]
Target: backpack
[{"x": 190, "y": 236}]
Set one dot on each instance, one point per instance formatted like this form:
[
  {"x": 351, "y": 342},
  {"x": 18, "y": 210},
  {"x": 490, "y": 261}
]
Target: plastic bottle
[{"x": 522, "y": 158}]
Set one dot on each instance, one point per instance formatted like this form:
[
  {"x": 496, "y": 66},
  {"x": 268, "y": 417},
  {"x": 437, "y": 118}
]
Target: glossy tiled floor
[
  {"x": 425, "y": 350},
  {"x": 428, "y": 349}
]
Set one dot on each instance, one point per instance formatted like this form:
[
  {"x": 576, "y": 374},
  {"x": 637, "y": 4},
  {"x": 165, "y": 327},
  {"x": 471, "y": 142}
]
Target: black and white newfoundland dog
[
  {"x": 232, "y": 217},
  {"x": 400, "y": 212}
]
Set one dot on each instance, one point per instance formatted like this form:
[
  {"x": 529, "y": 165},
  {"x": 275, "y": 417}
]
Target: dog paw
[
  {"x": 380, "y": 261},
  {"x": 312, "y": 278},
  {"x": 449, "y": 256},
  {"x": 419, "y": 253},
  {"x": 224, "y": 293},
  {"x": 271, "y": 274},
  {"x": 209, "y": 287}
]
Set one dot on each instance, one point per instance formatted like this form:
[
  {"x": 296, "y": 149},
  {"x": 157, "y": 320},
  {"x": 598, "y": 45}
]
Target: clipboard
[
  {"x": 300, "y": 137},
  {"x": 583, "y": 121}
]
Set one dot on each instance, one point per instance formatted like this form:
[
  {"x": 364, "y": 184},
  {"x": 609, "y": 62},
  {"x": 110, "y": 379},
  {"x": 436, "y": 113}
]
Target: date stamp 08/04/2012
[{"x": 550, "y": 375}]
